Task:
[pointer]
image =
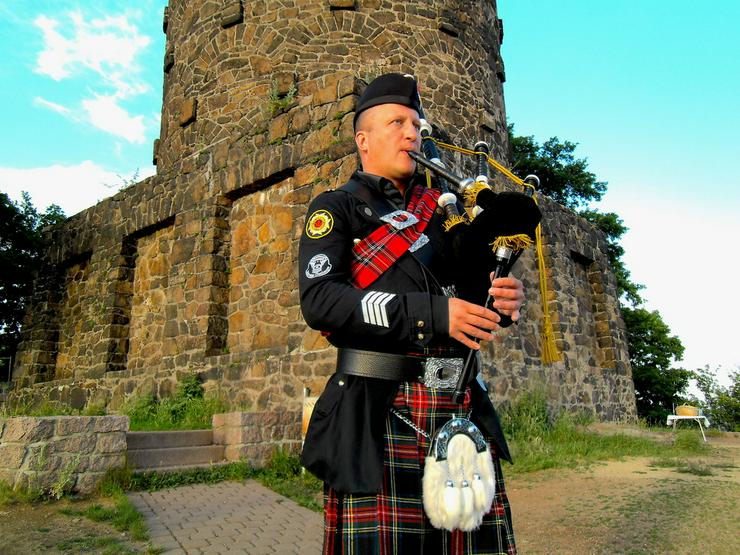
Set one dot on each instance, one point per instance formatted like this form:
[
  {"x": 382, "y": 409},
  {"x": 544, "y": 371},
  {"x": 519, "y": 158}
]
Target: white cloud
[
  {"x": 109, "y": 47},
  {"x": 74, "y": 188},
  {"x": 38, "y": 101},
  {"x": 105, "y": 113}
]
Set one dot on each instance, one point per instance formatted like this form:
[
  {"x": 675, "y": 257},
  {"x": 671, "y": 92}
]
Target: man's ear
[{"x": 361, "y": 140}]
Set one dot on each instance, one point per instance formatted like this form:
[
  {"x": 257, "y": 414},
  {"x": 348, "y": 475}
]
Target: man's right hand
[{"x": 468, "y": 320}]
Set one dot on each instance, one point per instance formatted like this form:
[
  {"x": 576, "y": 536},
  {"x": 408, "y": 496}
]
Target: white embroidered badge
[{"x": 318, "y": 266}]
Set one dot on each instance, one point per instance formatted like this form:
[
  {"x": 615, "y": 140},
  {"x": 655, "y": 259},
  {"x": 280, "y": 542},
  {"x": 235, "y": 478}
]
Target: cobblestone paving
[{"x": 229, "y": 517}]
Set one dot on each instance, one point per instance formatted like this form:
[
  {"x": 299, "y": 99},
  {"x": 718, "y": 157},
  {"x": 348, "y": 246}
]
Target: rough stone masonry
[{"x": 194, "y": 269}]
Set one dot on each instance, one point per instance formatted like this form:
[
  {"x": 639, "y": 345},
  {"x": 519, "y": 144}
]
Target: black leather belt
[{"x": 437, "y": 372}]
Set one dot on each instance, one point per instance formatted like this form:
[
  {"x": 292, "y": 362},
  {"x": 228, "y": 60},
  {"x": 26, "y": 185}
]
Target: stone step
[
  {"x": 181, "y": 468},
  {"x": 145, "y": 459},
  {"x": 175, "y": 438}
]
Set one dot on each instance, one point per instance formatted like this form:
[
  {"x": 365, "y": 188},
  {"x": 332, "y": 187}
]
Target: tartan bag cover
[{"x": 377, "y": 252}]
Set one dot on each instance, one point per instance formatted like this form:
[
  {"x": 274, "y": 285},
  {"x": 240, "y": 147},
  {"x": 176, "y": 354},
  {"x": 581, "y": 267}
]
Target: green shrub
[
  {"x": 527, "y": 416},
  {"x": 188, "y": 409}
]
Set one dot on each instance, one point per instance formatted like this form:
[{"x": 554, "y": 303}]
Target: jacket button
[
  {"x": 420, "y": 324},
  {"x": 368, "y": 211},
  {"x": 355, "y": 241},
  {"x": 420, "y": 336}
]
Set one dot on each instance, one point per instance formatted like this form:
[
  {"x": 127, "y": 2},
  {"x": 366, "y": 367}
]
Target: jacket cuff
[{"x": 425, "y": 321}]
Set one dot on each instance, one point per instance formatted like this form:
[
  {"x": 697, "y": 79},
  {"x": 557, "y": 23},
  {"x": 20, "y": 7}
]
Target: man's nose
[{"x": 412, "y": 132}]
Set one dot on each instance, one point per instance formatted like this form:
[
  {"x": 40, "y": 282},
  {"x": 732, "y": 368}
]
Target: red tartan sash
[{"x": 377, "y": 252}]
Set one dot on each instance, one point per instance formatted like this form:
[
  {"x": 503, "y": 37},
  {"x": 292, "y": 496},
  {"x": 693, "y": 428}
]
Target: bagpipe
[{"x": 494, "y": 230}]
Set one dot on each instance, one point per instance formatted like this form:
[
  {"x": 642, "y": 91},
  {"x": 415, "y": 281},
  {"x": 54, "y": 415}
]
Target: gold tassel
[
  {"x": 452, "y": 221},
  {"x": 550, "y": 351},
  {"x": 472, "y": 192},
  {"x": 513, "y": 242}
]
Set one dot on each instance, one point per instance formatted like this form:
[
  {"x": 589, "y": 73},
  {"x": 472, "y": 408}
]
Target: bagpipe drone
[{"x": 495, "y": 231}]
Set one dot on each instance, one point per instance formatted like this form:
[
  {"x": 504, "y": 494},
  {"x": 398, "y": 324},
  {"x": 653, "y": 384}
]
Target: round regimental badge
[{"x": 319, "y": 224}]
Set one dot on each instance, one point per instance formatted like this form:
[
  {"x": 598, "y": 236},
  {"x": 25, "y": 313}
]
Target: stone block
[
  {"x": 12, "y": 455},
  {"x": 342, "y": 4},
  {"x": 88, "y": 482},
  {"x": 234, "y": 452},
  {"x": 104, "y": 462},
  {"x": 111, "y": 442},
  {"x": 320, "y": 140},
  {"x": 232, "y": 13},
  {"x": 68, "y": 425},
  {"x": 188, "y": 111},
  {"x": 277, "y": 130},
  {"x": 169, "y": 58},
  {"x": 81, "y": 443},
  {"x": 28, "y": 429},
  {"x": 110, "y": 423}
]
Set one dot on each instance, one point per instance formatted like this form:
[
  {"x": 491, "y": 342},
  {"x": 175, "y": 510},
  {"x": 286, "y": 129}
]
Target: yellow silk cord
[{"x": 550, "y": 351}]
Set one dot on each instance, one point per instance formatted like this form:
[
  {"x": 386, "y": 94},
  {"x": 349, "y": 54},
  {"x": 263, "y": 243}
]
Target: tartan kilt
[{"x": 393, "y": 521}]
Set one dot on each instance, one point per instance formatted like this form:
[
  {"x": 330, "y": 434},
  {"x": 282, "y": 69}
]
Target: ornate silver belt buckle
[{"x": 442, "y": 373}]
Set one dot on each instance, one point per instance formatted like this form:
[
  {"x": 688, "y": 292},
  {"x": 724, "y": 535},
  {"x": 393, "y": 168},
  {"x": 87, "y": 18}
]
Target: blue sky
[{"x": 648, "y": 89}]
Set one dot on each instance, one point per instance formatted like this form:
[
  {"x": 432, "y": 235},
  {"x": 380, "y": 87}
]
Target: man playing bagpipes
[{"x": 378, "y": 276}]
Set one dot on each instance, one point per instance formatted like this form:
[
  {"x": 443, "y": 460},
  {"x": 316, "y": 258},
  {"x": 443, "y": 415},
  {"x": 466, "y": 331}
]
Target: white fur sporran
[{"x": 459, "y": 481}]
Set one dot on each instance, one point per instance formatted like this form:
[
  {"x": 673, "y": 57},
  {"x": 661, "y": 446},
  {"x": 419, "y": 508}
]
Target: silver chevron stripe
[{"x": 374, "y": 308}]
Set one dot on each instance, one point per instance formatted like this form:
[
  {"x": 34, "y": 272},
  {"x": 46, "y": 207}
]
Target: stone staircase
[{"x": 172, "y": 451}]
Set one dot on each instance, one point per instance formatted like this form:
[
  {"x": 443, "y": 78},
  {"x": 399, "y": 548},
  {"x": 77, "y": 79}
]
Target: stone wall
[
  {"x": 61, "y": 454},
  {"x": 253, "y": 437},
  {"x": 195, "y": 268}
]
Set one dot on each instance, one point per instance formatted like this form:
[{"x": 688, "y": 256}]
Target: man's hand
[
  {"x": 471, "y": 320},
  {"x": 508, "y": 296}
]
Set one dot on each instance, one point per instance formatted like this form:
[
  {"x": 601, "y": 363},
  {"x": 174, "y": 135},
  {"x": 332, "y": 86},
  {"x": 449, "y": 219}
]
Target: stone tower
[{"x": 195, "y": 268}]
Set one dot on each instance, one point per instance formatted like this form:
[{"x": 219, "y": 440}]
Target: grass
[
  {"x": 49, "y": 408},
  {"x": 122, "y": 515},
  {"x": 539, "y": 441},
  {"x": 10, "y": 496},
  {"x": 283, "y": 474},
  {"x": 104, "y": 545}
]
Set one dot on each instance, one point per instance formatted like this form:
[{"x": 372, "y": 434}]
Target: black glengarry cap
[{"x": 391, "y": 88}]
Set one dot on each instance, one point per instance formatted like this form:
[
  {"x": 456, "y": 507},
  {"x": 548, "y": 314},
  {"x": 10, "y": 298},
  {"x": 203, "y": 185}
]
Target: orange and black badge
[{"x": 319, "y": 224}]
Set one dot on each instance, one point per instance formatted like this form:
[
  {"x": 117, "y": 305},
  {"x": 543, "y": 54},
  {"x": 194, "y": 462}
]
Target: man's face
[{"x": 384, "y": 135}]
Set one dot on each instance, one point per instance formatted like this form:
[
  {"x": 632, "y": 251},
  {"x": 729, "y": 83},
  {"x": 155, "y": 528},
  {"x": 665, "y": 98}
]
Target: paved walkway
[{"x": 229, "y": 517}]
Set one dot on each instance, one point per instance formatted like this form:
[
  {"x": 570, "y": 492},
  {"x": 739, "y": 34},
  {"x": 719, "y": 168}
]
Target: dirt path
[
  {"x": 50, "y": 528},
  {"x": 631, "y": 507}
]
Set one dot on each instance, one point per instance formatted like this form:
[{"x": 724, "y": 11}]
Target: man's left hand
[{"x": 508, "y": 295}]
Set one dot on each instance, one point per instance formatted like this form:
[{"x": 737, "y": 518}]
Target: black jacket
[{"x": 344, "y": 443}]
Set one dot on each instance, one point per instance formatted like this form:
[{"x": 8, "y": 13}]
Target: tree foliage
[
  {"x": 563, "y": 177},
  {"x": 21, "y": 244},
  {"x": 653, "y": 350},
  {"x": 721, "y": 404}
]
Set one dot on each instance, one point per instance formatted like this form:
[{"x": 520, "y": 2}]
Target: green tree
[
  {"x": 21, "y": 244},
  {"x": 721, "y": 404},
  {"x": 563, "y": 177},
  {"x": 653, "y": 350}
]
